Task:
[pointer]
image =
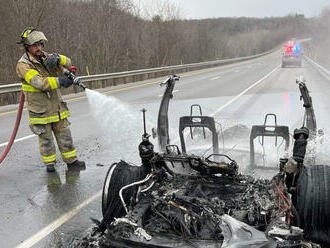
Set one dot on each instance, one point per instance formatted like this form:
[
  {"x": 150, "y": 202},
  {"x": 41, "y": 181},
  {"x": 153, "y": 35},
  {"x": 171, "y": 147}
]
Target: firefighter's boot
[
  {"x": 50, "y": 167},
  {"x": 78, "y": 165}
]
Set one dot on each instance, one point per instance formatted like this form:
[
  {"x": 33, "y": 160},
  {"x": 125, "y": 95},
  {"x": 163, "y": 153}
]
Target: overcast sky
[{"x": 251, "y": 8}]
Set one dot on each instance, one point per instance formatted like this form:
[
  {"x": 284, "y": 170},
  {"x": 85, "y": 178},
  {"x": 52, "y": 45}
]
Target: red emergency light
[{"x": 289, "y": 49}]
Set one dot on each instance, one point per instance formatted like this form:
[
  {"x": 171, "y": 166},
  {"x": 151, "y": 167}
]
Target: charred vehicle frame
[{"x": 179, "y": 200}]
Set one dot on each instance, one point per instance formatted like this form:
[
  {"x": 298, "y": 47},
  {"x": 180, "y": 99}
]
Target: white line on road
[
  {"x": 57, "y": 223},
  {"x": 243, "y": 92},
  {"x": 67, "y": 216},
  {"x": 20, "y": 139},
  {"x": 215, "y": 78}
]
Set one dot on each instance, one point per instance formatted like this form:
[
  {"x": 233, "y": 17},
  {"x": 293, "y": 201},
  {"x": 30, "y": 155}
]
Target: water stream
[{"x": 120, "y": 124}]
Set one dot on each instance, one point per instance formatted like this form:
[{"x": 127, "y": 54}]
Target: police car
[{"x": 292, "y": 55}]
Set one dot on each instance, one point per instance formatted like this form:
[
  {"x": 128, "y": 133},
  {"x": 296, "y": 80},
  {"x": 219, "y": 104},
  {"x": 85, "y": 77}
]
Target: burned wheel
[
  {"x": 312, "y": 202},
  {"x": 119, "y": 175}
]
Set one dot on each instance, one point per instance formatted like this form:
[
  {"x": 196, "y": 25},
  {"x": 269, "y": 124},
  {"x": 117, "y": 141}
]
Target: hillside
[{"x": 108, "y": 36}]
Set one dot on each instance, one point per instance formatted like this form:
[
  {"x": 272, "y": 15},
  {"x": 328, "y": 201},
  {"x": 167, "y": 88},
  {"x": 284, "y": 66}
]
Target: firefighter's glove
[
  {"x": 65, "y": 82},
  {"x": 52, "y": 61}
]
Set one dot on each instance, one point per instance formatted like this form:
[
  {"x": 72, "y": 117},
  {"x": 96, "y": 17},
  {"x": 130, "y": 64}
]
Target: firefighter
[{"x": 41, "y": 79}]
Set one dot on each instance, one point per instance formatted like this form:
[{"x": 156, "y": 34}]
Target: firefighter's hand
[
  {"x": 52, "y": 61},
  {"x": 65, "y": 82}
]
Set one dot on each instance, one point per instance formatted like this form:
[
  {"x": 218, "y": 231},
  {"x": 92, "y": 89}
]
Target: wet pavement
[{"x": 35, "y": 205}]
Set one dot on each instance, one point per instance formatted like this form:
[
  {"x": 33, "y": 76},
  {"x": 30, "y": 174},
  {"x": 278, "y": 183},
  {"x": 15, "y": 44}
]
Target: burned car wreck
[{"x": 176, "y": 199}]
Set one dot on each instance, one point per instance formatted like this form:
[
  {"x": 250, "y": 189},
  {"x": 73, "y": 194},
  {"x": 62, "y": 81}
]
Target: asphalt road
[{"x": 39, "y": 209}]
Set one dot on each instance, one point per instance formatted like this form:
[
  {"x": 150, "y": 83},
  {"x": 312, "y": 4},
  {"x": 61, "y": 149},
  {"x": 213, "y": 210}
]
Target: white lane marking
[
  {"x": 244, "y": 91},
  {"x": 215, "y": 78},
  {"x": 237, "y": 71},
  {"x": 57, "y": 223},
  {"x": 67, "y": 216},
  {"x": 20, "y": 139},
  {"x": 172, "y": 92}
]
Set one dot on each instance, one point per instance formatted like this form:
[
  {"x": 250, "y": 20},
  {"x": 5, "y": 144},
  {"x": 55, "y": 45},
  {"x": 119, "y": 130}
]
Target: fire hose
[{"x": 13, "y": 135}]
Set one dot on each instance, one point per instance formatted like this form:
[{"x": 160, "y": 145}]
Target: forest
[{"x": 104, "y": 36}]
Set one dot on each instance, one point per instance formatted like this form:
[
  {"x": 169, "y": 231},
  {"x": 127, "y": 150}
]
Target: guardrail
[{"x": 9, "y": 94}]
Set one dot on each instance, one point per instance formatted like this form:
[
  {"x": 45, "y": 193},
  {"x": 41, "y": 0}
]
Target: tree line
[
  {"x": 110, "y": 35},
  {"x": 319, "y": 46}
]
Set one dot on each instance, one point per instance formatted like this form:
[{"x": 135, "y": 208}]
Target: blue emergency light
[{"x": 296, "y": 48}]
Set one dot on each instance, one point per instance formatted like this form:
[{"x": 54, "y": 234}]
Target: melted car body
[{"x": 175, "y": 199}]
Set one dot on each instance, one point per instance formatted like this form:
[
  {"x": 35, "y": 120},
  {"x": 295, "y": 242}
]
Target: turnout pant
[{"x": 63, "y": 137}]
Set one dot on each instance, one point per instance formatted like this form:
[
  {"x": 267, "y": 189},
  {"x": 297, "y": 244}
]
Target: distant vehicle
[{"x": 292, "y": 56}]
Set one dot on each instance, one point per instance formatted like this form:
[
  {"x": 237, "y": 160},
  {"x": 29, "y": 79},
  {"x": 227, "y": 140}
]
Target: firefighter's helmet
[{"x": 31, "y": 36}]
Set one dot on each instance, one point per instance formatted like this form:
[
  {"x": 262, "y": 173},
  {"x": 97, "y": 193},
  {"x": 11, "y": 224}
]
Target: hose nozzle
[
  {"x": 70, "y": 74},
  {"x": 77, "y": 81}
]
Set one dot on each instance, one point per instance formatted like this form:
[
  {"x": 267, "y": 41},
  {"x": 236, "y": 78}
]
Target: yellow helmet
[{"x": 31, "y": 36}]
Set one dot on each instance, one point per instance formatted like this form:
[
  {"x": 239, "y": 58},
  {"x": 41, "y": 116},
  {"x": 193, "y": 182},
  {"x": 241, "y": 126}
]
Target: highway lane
[{"x": 31, "y": 199}]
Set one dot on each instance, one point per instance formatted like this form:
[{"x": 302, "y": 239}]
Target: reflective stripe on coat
[{"x": 41, "y": 89}]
